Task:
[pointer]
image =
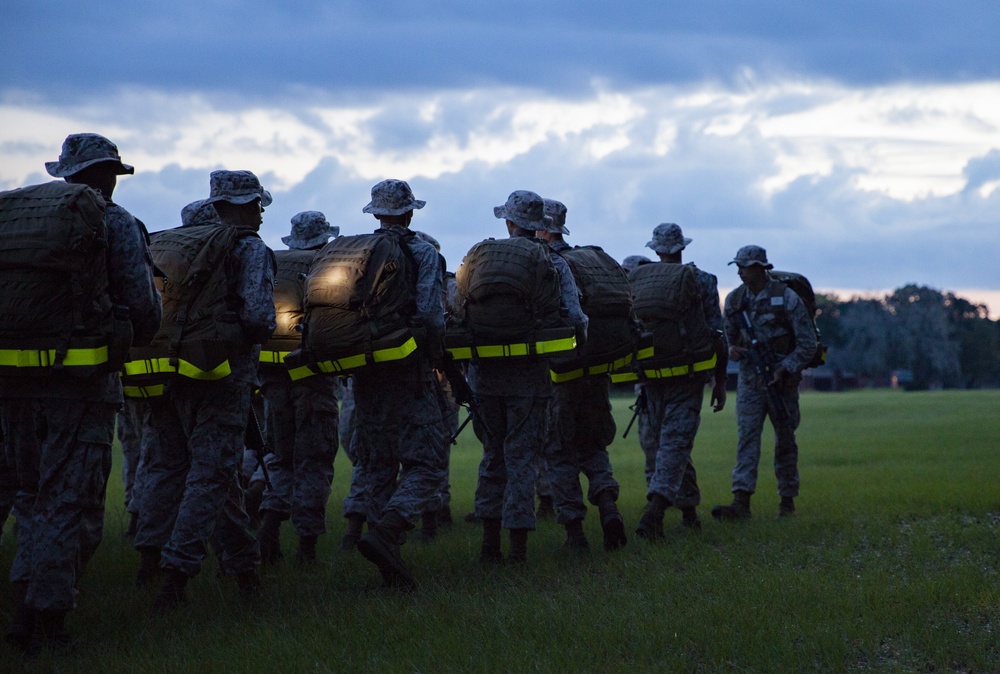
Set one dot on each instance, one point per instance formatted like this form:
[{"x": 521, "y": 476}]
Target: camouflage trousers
[
  {"x": 518, "y": 429},
  {"x": 752, "y": 407},
  {"x": 668, "y": 423},
  {"x": 581, "y": 428},
  {"x": 8, "y": 488},
  {"x": 132, "y": 420},
  {"x": 192, "y": 495},
  {"x": 354, "y": 502},
  {"x": 302, "y": 425},
  {"x": 400, "y": 447},
  {"x": 60, "y": 452}
]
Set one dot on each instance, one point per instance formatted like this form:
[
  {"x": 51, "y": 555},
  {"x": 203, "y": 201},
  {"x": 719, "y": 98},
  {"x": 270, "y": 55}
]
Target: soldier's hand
[
  {"x": 780, "y": 376},
  {"x": 718, "y": 396},
  {"x": 737, "y": 353}
]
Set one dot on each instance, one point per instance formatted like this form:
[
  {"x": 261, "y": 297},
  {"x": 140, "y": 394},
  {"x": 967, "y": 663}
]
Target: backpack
[
  {"x": 289, "y": 301},
  {"x": 803, "y": 288},
  {"x": 668, "y": 304},
  {"x": 607, "y": 301},
  {"x": 57, "y": 313},
  {"x": 200, "y": 330},
  {"x": 510, "y": 294},
  {"x": 360, "y": 301}
]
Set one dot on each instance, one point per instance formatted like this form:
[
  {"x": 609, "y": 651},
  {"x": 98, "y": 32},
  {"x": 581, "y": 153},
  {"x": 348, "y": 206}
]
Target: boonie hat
[
  {"x": 199, "y": 212},
  {"x": 557, "y": 211},
  {"x": 668, "y": 239},
  {"x": 525, "y": 209},
  {"x": 237, "y": 187},
  {"x": 633, "y": 261},
  {"x": 392, "y": 197},
  {"x": 81, "y": 150},
  {"x": 309, "y": 229},
  {"x": 424, "y": 236},
  {"x": 748, "y": 256}
]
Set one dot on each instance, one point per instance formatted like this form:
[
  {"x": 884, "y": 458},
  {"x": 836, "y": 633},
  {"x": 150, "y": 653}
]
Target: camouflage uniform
[
  {"x": 132, "y": 420},
  {"x": 752, "y": 405},
  {"x": 58, "y": 431},
  {"x": 8, "y": 488},
  {"x": 354, "y": 502},
  {"x": 193, "y": 494}
]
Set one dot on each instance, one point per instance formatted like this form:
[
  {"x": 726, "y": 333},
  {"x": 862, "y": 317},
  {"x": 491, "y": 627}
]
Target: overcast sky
[{"x": 859, "y": 142}]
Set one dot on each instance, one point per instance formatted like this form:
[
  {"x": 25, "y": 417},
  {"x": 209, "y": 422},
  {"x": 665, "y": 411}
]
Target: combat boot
[
  {"x": 739, "y": 509},
  {"x": 50, "y": 632},
  {"x": 545, "y": 509},
  {"x": 444, "y": 519},
  {"x": 171, "y": 593},
  {"x": 306, "y": 554},
  {"x": 353, "y": 533},
  {"x": 252, "y": 497},
  {"x": 22, "y": 626},
  {"x": 689, "y": 519},
  {"x": 248, "y": 583},
  {"x": 787, "y": 507},
  {"x": 611, "y": 522},
  {"x": 651, "y": 523},
  {"x": 490, "y": 553},
  {"x": 269, "y": 537},
  {"x": 428, "y": 526},
  {"x": 518, "y": 547},
  {"x": 576, "y": 540},
  {"x": 380, "y": 546},
  {"x": 149, "y": 567}
]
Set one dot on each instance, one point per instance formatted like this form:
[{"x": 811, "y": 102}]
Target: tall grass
[{"x": 891, "y": 564}]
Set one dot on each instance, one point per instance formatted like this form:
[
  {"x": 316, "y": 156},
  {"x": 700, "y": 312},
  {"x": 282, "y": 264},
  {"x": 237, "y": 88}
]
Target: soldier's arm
[
  {"x": 255, "y": 289},
  {"x": 430, "y": 309},
  {"x": 802, "y": 328},
  {"x": 570, "y": 297},
  {"x": 130, "y": 274}
]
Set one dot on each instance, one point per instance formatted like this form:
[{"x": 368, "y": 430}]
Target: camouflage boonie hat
[
  {"x": 392, "y": 197},
  {"x": 81, "y": 150},
  {"x": 199, "y": 212},
  {"x": 557, "y": 211},
  {"x": 747, "y": 256},
  {"x": 237, "y": 187},
  {"x": 633, "y": 261},
  {"x": 309, "y": 229},
  {"x": 668, "y": 239},
  {"x": 424, "y": 236},
  {"x": 525, "y": 209}
]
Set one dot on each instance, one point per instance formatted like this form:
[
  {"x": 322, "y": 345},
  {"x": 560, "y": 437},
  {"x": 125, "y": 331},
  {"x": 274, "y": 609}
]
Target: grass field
[{"x": 891, "y": 565}]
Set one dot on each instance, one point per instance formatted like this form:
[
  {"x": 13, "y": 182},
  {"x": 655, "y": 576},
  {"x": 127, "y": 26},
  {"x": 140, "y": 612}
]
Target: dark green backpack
[
  {"x": 668, "y": 304},
  {"x": 289, "y": 299}
]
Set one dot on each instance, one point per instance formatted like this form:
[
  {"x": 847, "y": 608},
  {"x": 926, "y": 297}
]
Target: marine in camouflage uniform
[
  {"x": 782, "y": 323},
  {"x": 513, "y": 397},
  {"x": 398, "y": 437},
  {"x": 302, "y": 422},
  {"x": 581, "y": 429},
  {"x": 354, "y": 509},
  {"x": 58, "y": 432},
  {"x": 193, "y": 494},
  {"x": 671, "y": 409}
]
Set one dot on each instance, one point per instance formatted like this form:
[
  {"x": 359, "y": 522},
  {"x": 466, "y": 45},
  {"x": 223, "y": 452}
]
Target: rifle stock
[{"x": 763, "y": 360}]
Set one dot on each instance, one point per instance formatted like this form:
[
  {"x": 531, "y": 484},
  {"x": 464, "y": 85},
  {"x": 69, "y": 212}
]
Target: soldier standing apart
[
  {"x": 301, "y": 414},
  {"x": 58, "y": 431},
  {"x": 582, "y": 428},
  {"x": 672, "y": 412},
  {"x": 513, "y": 396},
  {"x": 783, "y": 329},
  {"x": 399, "y": 438},
  {"x": 193, "y": 493}
]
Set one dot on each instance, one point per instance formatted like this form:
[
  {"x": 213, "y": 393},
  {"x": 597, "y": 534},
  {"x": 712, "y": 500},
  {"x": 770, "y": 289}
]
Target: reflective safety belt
[
  {"x": 144, "y": 391},
  {"x": 47, "y": 357},
  {"x": 603, "y": 368},
  {"x": 665, "y": 372},
  {"x": 183, "y": 368},
  {"x": 356, "y": 361},
  {"x": 278, "y": 358},
  {"x": 541, "y": 348}
]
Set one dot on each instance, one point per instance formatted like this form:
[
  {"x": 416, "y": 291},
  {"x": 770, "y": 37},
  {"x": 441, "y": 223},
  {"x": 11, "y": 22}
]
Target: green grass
[{"x": 891, "y": 565}]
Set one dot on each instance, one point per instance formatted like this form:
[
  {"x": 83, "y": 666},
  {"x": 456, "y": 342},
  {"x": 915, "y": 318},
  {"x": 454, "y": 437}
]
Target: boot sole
[
  {"x": 390, "y": 564},
  {"x": 614, "y": 533}
]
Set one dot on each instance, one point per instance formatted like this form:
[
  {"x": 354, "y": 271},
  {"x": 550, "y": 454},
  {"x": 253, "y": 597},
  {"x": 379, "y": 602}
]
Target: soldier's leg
[
  {"x": 275, "y": 505},
  {"x": 786, "y": 451},
  {"x": 562, "y": 463},
  {"x": 526, "y": 432},
  {"x": 681, "y": 405},
  {"x": 315, "y": 405},
  {"x": 751, "y": 409},
  {"x": 492, "y": 481}
]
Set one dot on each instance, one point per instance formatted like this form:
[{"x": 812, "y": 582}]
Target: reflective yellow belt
[
  {"x": 356, "y": 361},
  {"x": 278, "y": 358},
  {"x": 47, "y": 357},
  {"x": 560, "y": 377},
  {"x": 512, "y": 350},
  {"x": 184, "y": 368},
  {"x": 665, "y": 372},
  {"x": 144, "y": 391}
]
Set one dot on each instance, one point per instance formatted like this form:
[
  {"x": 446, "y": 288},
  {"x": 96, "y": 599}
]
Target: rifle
[
  {"x": 463, "y": 394},
  {"x": 253, "y": 438},
  {"x": 763, "y": 360},
  {"x": 637, "y": 407}
]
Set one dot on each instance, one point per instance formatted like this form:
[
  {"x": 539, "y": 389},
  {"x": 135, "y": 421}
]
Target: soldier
[
  {"x": 58, "y": 431},
  {"x": 301, "y": 414},
  {"x": 783, "y": 329},
  {"x": 193, "y": 493},
  {"x": 399, "y": 438},
  {"x": 672, "y": 409},
  {"x": 513, "y": 397},
  {"x": 582, "y": 428}
]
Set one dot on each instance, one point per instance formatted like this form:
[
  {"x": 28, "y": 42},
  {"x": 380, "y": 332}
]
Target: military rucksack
[
  {"x": 606, "y": 298},
  {"x": 56, "y": 309},
  {"x": 509, "y": 294},
  {"x": 360, "y": 300},
  {"x": 668, "y": 303},
  {"x": 200, "y": 330},
  {"x": 289, "y": 304}
]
